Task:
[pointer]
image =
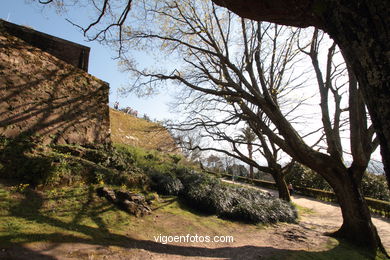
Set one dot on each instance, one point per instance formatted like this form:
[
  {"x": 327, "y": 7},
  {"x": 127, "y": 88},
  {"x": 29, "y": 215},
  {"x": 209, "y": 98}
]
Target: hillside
[
  {"x": 60, "y": 216},
  {"x": 128, "y": 129}
]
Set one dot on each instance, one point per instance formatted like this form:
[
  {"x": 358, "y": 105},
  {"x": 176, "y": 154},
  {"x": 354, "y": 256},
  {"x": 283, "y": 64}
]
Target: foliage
[
  {"x": 237, "y": 170},
  {"x": 302, "y": 176},
  {"x": 151, "y": 159},
  {"x": 20, "y": 163},
  {"x": 106, "y": 156},
  {"x": 165, "y": 184},
  {"x": 214, "y": 163},
  {"x": 27, "y": 161},
  {"x": 212, "y": 196},
  {"x": 373, "y": 186},
  {"x": 247, "y": 135},
  {"x": 131, "y": 166}
]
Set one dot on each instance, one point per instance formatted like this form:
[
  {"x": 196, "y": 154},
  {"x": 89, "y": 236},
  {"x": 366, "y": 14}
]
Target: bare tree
[
  {"x": 202, "y": 38},
  {"x": 187, "y": 139},
  {"x": 363, "y": 39},
  {"x": 108, "y": 23},
  {"x": 222, "y": 141}
]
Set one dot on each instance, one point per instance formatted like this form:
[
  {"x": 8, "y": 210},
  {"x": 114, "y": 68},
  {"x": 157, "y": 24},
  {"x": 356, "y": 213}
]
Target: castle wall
[
  {"x": 70, "y": 52},
  {"x": 43, "y": 95}
]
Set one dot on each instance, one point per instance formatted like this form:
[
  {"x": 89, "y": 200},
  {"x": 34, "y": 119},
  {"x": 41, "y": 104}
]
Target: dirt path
[{"x": 327, "y": 216}]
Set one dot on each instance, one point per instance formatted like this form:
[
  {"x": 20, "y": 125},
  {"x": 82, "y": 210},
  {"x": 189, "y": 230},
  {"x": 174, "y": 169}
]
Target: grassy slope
[{"x": 127, "y": 129}]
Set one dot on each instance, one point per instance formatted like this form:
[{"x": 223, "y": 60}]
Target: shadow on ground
[{"x": 30, "y": 209}]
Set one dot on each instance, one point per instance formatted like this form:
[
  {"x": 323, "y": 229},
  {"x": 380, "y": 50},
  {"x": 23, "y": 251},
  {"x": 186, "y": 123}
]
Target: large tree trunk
[
  {"x": 281, "y": 185},
  {"x": 364, "y": 41},
  {"x": 357, "y": 226}
]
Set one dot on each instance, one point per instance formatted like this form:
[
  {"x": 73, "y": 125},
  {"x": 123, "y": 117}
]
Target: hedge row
[{"x": 372, "y": 186}]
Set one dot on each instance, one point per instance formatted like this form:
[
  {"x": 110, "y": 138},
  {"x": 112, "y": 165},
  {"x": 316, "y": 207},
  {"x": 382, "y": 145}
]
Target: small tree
[
  {"x": 248, "y": 136},
  {"x": 214, "y": 163}
]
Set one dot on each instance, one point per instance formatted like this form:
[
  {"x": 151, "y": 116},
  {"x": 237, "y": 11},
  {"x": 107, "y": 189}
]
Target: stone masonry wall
[
  {"x": 70, "y": 52},
  {"x": 43, "y": 95}
]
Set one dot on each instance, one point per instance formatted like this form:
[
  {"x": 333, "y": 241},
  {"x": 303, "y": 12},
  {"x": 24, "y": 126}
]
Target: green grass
[
  {"x": 47, "y": 216},
  {"x": 302, "y": 210},
  {"x": 76, "y": 214}
]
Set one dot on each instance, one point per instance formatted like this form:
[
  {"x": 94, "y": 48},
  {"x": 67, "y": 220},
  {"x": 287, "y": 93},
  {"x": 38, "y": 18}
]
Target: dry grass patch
[{"x": 127, "y": 129}]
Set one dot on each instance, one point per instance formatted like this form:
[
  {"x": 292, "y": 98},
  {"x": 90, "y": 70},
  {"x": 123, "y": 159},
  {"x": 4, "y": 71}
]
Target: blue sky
[{"x": 101, "y": 63}]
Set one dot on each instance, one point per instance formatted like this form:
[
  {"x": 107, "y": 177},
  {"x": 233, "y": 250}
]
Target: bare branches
[
  {"x": 245, "y": 77},
  {"x": 106, "y": 21}
]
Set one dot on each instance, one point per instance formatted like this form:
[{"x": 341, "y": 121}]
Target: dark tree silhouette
[{"x": 360, "y": 28}]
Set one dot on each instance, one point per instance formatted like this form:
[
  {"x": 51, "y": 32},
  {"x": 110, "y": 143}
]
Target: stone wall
[
  {"x": 43, "y": 95},
  {"x": 70, "y": 52}
]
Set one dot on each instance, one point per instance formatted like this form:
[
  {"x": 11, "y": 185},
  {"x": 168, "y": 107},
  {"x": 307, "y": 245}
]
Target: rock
[
  {"x": 125, "y": 195},
  {"x": 131, "y": 207},
  {"x": 132, "y": 203},
  {"x": 107, "y": 193}
]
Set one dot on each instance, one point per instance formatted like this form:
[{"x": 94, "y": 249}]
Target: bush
[
  {"x": 146, "y": 159},
  {"x": 165, "y": 184},
  {"x": 257, "y": 207},
  {"x": 198, "y": 191},
  {"x": 106, "y": 156},
  {"x": 21, "y": 164},
  {"x": 29, "y": 162},
  {"x": 210, "y": 195},
  {"x": 302, "y": 176},
  {"x": 375, "y": 186}
]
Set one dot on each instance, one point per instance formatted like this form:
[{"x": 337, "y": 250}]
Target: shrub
[
  {"x": 198, "y": 191},
  {"x": 257, "y": 207},
  {"x": 302, "y": 176},
  {"x": 20, "y": 163},
  {"x": 165, "y": 184},
  {"x": 210, "y": 195},
  {"x": 104, "y": 164},
  {"x": 375, "y": 186},
  {"x": 106, "y": 156}
]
